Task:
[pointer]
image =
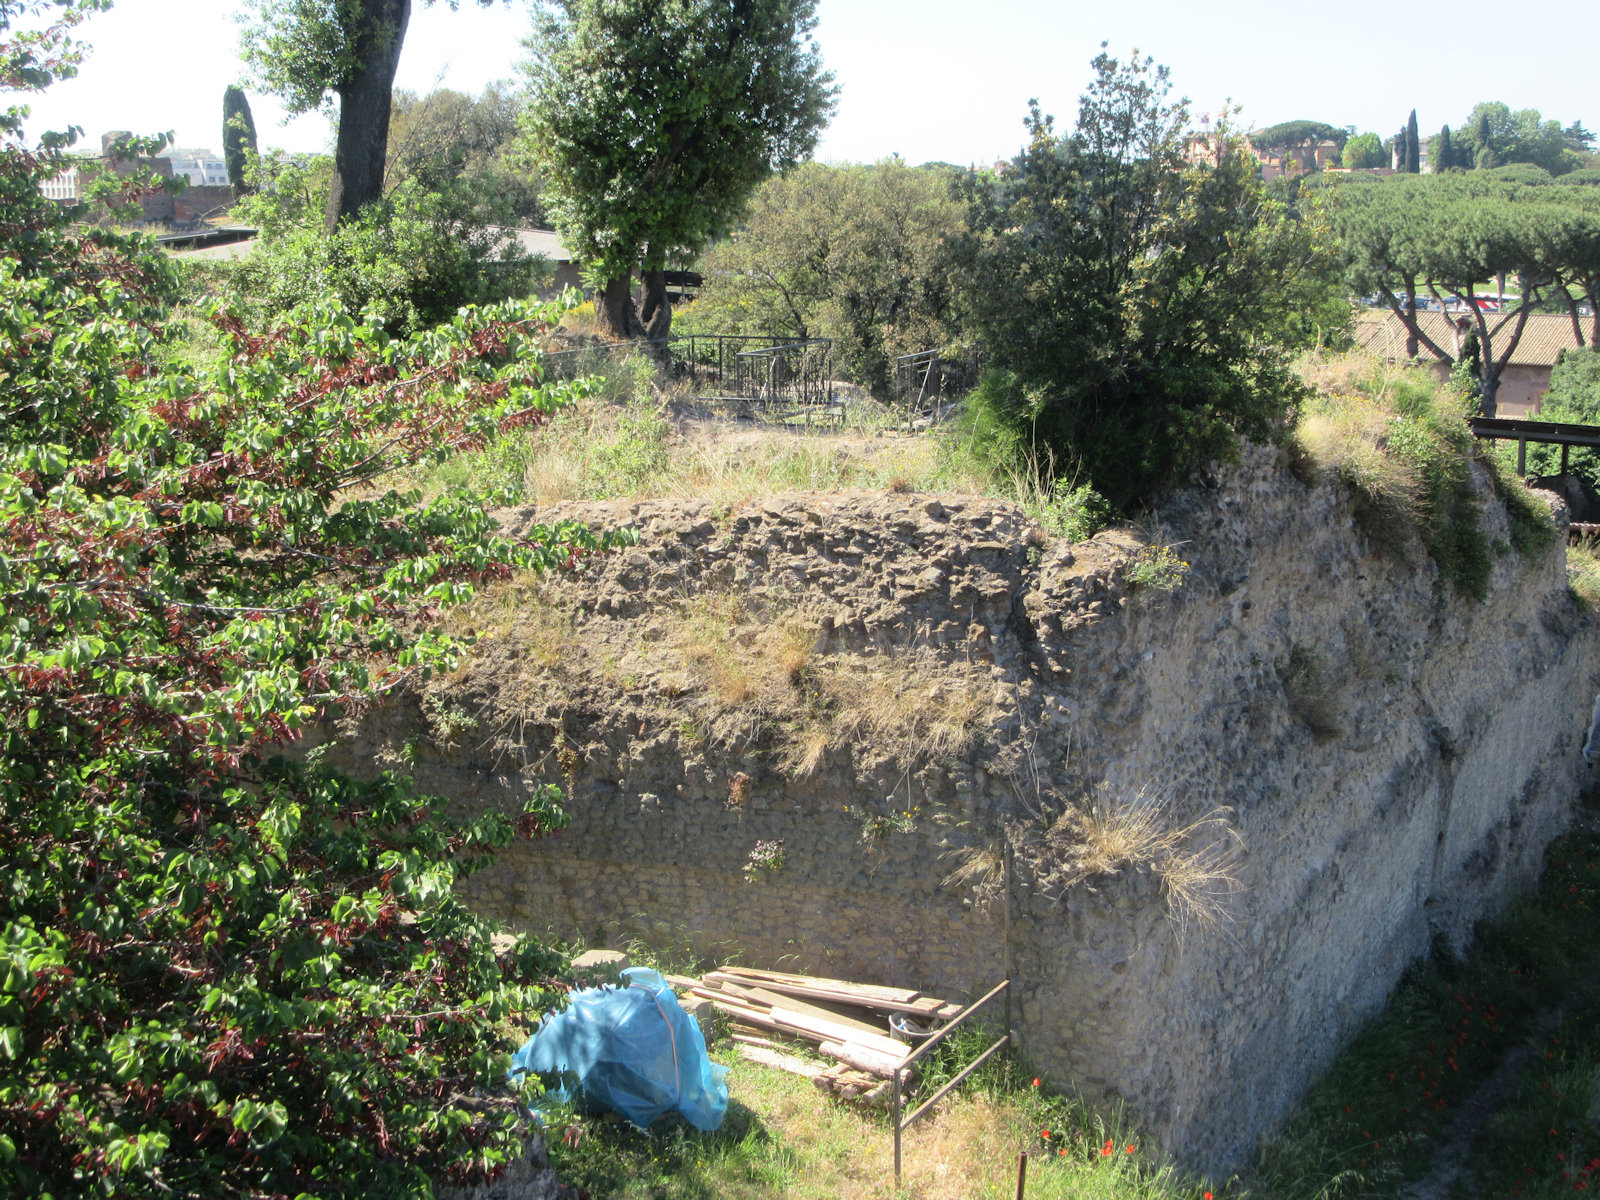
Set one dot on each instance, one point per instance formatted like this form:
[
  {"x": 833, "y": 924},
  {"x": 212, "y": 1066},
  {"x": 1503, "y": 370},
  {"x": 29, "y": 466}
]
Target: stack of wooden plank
[{"x": 846, "y": 1021}]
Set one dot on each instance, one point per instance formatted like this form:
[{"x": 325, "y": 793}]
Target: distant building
[
  {"x": 207, "y": 197},
  {"x": 1526, "y": 377},
  {"x": 1293, "y": 160},
  {"x": 65, "y": 187},
  {"x": 201, "y": 168}
]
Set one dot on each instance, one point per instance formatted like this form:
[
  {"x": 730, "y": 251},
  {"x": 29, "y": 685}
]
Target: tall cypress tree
[
  {"x": 238, "y": 135},
  {"x": 1443, "y": 156},
  {"x": 1413, "y": 147},
  {"x": 1483, "y": 155},
  {"x": 1400, "y": 163}
]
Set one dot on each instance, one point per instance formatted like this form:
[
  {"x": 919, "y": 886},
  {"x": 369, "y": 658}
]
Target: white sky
[{"x": 932, "y": 79}]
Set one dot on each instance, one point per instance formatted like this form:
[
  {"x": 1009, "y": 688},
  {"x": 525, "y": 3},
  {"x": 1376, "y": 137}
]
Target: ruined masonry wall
[{"x": 1445, "y": 763}]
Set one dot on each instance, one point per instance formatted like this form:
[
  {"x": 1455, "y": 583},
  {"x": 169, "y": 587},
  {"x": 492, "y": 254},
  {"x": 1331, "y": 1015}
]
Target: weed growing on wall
[
  {"x": 1110, "y": 833},
  {"x": 766, "y": 857},
  {"x": 1075, "y": 513},
  {"x": 1532, "y": 528},
  {"x": 1157, "y": 569},
  {"x": 1396, "y": 439},
  {"x": 1583, "y": 575},
  {"x": 1313, "y": 696}
]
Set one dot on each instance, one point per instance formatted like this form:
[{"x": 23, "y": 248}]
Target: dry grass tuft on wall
[
  {"x": 1312, "y": 693},
  {"x": 1109, "y": 833}
]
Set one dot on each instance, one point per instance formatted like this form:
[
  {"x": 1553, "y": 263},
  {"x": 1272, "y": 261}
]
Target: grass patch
[
  {"x": 756, "y": 663},
  {"x": 1375, "y": 1121},
  {"x": 783, "y": 1138},
  {"x": 1395, "y": 437},
  {"x": 1546, "y": 1141},
  {"x": 1583, "y": 575}
]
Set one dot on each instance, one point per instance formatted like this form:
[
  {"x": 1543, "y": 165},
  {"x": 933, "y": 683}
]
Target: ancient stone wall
[{"x": 1391, "y": 757}]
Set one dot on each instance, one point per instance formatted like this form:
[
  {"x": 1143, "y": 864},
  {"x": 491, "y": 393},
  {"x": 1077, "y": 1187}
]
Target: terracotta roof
[{"x": 1544, "y": 337}]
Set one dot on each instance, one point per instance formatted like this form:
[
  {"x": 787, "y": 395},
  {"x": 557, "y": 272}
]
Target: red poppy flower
[{"x": 1105, "y": 1151}]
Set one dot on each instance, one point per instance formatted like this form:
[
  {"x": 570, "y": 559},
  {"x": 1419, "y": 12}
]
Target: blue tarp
[{"x": 632, "y": 1049}]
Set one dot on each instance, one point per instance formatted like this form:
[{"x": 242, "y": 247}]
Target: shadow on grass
[{"x": 607, "y": 1156}]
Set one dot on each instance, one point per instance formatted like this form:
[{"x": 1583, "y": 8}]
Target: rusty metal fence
[{"x": 777, "y": 378}]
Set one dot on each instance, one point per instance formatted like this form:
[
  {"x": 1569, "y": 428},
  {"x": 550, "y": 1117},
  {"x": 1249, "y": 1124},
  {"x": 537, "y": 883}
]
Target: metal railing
[
  {"x": 785, "y": 378},
  {"x": 1005, "y": 1040},
  {"x": 924, "y": 379}
]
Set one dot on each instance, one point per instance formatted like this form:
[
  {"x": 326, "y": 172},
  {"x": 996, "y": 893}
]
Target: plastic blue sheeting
[{"x": 631, "y": 1049}]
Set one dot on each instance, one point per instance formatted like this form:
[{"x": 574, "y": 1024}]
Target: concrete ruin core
[{"x": 796, "y": 732}]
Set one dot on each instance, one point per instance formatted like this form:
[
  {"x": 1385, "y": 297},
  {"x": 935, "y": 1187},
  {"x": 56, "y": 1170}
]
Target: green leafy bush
[
  {"x": 1075, "y": 513},
  {"x": 1139, "y": 299},
  {"x": 427, "y": 249},
  {"x": 221, "y": 972}
]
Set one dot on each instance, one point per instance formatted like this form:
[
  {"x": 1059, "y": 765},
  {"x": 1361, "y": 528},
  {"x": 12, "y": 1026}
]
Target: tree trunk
[
  {"x": 656, "y": 313},
  {"x": 618, "y": 318},
  {"x": 1488, "y": 388},
  {"x": 1411, "y": 317},
  {"x": 363, "y": 139},
  {"x": 1572, "y": 312},
  {"x": 649, "y": 321}
]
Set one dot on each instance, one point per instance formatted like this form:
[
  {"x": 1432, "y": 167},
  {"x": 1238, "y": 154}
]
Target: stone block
[{"x": 594, "y": 967}]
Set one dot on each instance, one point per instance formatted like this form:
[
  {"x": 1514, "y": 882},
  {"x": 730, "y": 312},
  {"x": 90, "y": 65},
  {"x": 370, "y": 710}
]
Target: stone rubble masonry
[{"x": 1452, "y": 763}]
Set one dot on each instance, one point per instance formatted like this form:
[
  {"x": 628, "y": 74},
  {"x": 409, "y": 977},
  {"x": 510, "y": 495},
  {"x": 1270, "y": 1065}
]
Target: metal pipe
[
  {"x": 941, "y": 1093},
  {"x": 1005, "y": 883},
  {"x": 950, "y": 1028},
  {"x": 898, "y": 1128}
]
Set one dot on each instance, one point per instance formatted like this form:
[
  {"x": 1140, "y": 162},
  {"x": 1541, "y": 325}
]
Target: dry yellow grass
[
  {"x": 890, "y": 703},
  {"x": 1343, "y": 435},
  {"x": 760, "y": 659},
  {"x": 1107, "y": 833}
]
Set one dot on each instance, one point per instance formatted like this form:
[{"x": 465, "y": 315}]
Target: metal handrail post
[
  {"x": 900, "y": 1126},
  {"x": 897, "y": 1127},
  {"x": 1005, "y": 903}
]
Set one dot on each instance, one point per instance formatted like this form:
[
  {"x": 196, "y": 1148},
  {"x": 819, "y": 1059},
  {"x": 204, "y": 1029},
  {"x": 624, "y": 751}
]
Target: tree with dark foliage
[{"x": 1135, "y": 301}]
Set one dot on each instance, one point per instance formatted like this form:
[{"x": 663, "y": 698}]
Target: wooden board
[
  {"x": 866, "y": 991},
  {"x": 762, "y": 998},
  {"x": 834, "y": 1032},
  {"x": 812, "y": 1028},
  {"x": 862, "y": 1059},
  {"x": 782, "y": 1062},
  {"x": 929, "y": 1007},
  {"x": 762, "y": 1020}
]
